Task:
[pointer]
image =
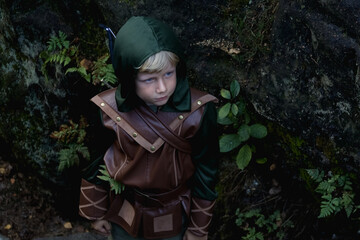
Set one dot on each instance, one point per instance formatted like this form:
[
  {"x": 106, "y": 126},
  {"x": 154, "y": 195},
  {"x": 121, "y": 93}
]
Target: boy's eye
[
  {"x": 169, "y": 74},
  {"x": 149, "y": 80}
]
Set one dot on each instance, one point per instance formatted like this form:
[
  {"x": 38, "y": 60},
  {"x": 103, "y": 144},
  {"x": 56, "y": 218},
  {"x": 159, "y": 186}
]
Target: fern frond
[
  {"x": 325, "y": 187},
  {"x": 67, "y": 61},
  {"x": 114, "y": 185},
  {"x": 81, "y": 70},
  {"x": 103, "y": 72},
  {"x": 67, "y": 158},
  {"x": 325, "y": 211},
  {"x": 83, "y": 151},
  {"x": 315, "y": 174}
]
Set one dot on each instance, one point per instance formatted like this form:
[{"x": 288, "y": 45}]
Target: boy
[{"x": 165, "y": 146}]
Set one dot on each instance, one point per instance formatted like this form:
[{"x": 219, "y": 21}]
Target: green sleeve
[{"x": 205, "y": 155}]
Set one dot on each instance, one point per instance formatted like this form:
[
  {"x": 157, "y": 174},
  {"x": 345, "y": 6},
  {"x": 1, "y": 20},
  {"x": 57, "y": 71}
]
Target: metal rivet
[
  {"x": 152, "y": 148},
  {"x": 199, "y": 102},
  {"x": 181, "y": 117},
  {"x": 102, "y": 104},
  {"x": 118, "y": 118},
  {"x": 134, "y": 134}
]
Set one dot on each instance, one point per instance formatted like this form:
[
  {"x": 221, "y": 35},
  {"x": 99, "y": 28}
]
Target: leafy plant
[
  {"x": 61, "y": 51},
  {"x": 71, "y": 137},
  {"x": 257, "y": 226},
  {"x": 336, "y": 193},
  {"x": 58, "y": 51},
  {"x": 97, "y": 72},
  {"x": 115, "y": 186},
  {"x": 234, "y": 114}
]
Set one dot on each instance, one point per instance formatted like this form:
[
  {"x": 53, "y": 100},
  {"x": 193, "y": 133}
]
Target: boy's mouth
[{"x": 161, "y": 99}]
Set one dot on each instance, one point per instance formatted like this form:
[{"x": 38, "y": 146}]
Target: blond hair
[{"x": 159, "y": 61}]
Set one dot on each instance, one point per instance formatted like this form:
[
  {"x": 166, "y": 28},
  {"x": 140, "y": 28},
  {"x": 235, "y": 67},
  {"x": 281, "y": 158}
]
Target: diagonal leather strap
[
  {"x": 120, "y": 119},
  {"x": 162, "y": 130},
  {"x": 124, "y": 124}
]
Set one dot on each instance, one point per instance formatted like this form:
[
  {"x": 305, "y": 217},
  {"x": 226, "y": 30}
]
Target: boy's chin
[{"x": 157, "y": 104}]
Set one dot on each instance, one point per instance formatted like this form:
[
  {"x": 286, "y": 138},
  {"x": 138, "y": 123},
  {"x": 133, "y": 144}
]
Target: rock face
[
  {"x": 31, "y": 107},
  {"x": 311, "y": 83}
]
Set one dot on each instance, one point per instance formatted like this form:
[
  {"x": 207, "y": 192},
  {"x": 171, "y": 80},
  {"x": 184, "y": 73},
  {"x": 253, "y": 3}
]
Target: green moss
[
  {"x": 328, "y": 148},
  {"x": 292, "y": 145},
  {"x": 131, "y": 3},
  {"x": 92, "y": 41},
  {"x": 251, "y": 27}
]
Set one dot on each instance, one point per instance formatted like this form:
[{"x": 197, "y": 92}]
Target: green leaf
[
  {"x": 66, "y": 44},
  {"x": 234, "y": 109},
  {"x": 327, "y": 197},
  {"x": 246, "y": 118},
  {"x": 315, "y": 174},
  {"x": 61, "y": 59},
  {"x": 243, "y": 157},
  {"x": 225, "y": 94},
  {"x": 224, "y": 121},
  {"x": 73, "y": 69},
  {"x": 324, "y": 212},
  {"x": 261, "y": 160},
  {"x": 336, "y": 202},
  {"x": 82, "y": 71},
  {"x": 234, "y": 88},
  {"x": 104, "y": 172},
  {"x": 241, "y": 106},
  {"x": 349, "y": 210},
  {"x": 84, "y": 151},
  {"x": 325, "y": 186},
  {"x": 104, "y": 178},
  {"x": 224, "y": 110},
  {"x": 88, "y": 78},
  {"x": 115, "y": 186},
  {"x": 67, "y": 61},
  {"x": 258, "y": 131},
  {"x": 244, "y": 132},
  {"x": 229, "y": 142}
]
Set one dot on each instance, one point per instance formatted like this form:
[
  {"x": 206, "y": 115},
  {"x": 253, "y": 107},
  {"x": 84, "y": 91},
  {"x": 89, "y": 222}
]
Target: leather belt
[{"x": 159, "y": 200}]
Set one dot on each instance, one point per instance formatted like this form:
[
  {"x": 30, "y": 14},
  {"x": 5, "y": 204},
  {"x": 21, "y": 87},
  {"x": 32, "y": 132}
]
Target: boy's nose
[{"x": 161, "y": 87}]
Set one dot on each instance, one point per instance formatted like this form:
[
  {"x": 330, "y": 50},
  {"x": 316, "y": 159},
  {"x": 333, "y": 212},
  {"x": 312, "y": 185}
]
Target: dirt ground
[{"x": 27, "y": 208}]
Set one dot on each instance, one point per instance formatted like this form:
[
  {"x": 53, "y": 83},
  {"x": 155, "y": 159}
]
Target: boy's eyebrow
[{"x": 170, "y": 69}]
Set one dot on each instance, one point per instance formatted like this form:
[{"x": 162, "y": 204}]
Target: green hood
[{"x": 137, "y": 40}]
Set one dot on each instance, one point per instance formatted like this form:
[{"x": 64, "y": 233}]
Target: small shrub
[
  {"x": 336, "y": 193},
  {"x": 61, "y": 51},
  {"x": 58, "y": 51},
  {"x": 71, "y": 137},
  {"x": 258, "y": 226},
  {"x": 234, "y": 114}
]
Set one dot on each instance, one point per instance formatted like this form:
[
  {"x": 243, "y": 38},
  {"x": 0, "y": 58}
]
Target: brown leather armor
[
  {"x": 200, "y": 217},
  {"x": 140, "y": 159}
]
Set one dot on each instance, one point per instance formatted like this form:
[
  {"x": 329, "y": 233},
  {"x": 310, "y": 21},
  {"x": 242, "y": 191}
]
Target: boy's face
[{"x": 156, "y": 88}]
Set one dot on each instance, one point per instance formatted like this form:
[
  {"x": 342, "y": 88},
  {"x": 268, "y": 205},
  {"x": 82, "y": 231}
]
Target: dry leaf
[
  {"x": 272, "y": 167},
  {"x": 67, "y": 225},
  {"x": 8, "y": 227},
  {"x": 87, "y": 64},
  {"x": 5, "y": 168}
]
